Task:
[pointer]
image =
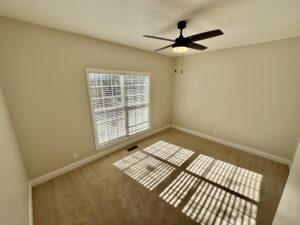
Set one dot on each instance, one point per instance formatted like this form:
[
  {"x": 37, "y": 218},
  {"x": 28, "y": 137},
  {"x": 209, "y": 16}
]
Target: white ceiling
[{"x": 244, "y": 22}]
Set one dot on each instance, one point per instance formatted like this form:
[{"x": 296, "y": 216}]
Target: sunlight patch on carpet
[
  {"x": 242, "y": 181},
  {"x": 214, "y": 206},
  {"x": 129, "y": 160},
  {"x": 179, "y": 188},
  {"x": 172, "y": 153},
  {"x": 148, "y": 171}
]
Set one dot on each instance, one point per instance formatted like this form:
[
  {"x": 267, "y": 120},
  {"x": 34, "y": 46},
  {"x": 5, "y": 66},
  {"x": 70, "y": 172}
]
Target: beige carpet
[{"x": 172, "y": 178}]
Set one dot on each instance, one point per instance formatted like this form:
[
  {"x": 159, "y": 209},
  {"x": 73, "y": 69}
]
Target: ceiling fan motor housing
[{"x": 181, "y": 41}]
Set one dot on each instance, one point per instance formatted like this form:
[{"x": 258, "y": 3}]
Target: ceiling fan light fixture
[{"x": 179, "y": 49}]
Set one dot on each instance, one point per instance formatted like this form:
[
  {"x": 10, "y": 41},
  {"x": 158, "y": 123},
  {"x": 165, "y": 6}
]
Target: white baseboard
[
  {"x": 77, "y": 164},
  {"x": 82, "y": 162},
  {"x": 30, "y": 206},
  {"x": 234, "y": 145}
]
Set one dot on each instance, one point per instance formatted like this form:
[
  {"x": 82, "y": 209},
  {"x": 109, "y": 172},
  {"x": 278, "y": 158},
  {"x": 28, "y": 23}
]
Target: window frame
[{"x": 127, "y": 136}]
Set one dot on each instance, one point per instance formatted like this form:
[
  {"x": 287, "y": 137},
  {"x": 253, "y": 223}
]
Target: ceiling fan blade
[
  {"x": 197, "y": 46},
  {"x": 205, "y": 35},
  {"x": 168, "y": 46},
  {"x": 159, "y": 38}
]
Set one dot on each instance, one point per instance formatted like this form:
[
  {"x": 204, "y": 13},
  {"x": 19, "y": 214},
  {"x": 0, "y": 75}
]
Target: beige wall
[
  {"x": 289, "y": 206},
  {"x": 250, "y": 95},
  {"x": 42, "y": 72},
  {"x": 13, "y": 179}
]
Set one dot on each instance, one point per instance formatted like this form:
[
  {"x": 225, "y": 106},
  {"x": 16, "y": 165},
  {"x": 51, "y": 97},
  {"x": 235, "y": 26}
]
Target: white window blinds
[{"x": 119, "y": 104}]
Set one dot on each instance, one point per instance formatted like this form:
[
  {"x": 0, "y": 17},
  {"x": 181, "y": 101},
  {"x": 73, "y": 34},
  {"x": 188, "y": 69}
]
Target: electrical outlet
[{"x": 75, "y": 155}]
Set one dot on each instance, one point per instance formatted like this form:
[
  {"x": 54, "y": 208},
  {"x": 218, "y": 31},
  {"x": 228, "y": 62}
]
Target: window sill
[{"x": 123, "y": 140}]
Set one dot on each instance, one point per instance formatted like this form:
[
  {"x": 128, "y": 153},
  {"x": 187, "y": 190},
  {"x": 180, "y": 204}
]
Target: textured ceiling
[{"x": 244, "y": 22}]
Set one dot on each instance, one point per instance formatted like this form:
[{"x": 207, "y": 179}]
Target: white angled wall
[
  {"x": 289, "y": 206},
  {"x": 13, "y": 179}
]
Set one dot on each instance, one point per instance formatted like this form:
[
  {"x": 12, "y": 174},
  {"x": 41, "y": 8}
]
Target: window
[{"x": 119, "y": 104}]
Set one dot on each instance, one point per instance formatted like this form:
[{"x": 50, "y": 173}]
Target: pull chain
[{"x": 179, "y": 64}]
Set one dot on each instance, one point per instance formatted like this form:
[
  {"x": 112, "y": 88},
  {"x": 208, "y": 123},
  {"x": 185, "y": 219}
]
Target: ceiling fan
[{"x": 181, "y": 44}]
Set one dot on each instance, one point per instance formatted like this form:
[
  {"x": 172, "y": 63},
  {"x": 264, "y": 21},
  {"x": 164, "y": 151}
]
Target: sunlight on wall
[
  {"x": 169, "y": 152},
  {"x": 242, "y": 181},
  {"x": 149, "y": 171}
]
